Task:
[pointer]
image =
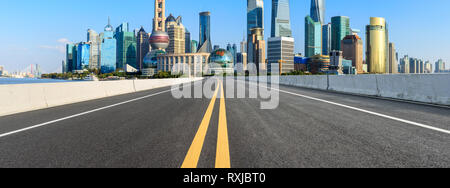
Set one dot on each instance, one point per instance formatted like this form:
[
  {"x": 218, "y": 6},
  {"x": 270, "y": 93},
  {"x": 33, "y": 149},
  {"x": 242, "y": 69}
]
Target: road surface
[{"x": 310, "y": 128}]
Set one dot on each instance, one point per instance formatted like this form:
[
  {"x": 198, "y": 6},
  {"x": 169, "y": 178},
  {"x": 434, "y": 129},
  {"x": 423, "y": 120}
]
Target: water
[{"x": 6, "y": 81}]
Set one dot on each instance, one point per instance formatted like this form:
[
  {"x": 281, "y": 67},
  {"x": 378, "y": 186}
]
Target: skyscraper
[
  {"x": 281, "y": 24},
  {"x": 83, "y": 56},
  {"x": 187, "y": 41},
  {"x": 95, "y": 44},
  {"x": 258, "y": 55},
  {"x": 177, "y": 35},
  {"x": 159, "y": 20},
  {"x": 108, "y": 50},
  {"x": 143, "y": 47},
  {"x": 377, "y": 45},
  {"x": 255, "y": 15},
  {"x": 313, "y": 37},
  {"x": 69, "y": 57},
  {"x": 404, "y": 65},
  {"x": 205, "y": 45},
  {"x": 318, "y": 11},
  {"x": 352, "y": 49},
  {"x": 126, "y": 47},
  {"x": 439, "y": 66},
  {"x": 393, "y": 65},
  {"x": 340, "y": 27},
  {"x": 326, "y": 39}
]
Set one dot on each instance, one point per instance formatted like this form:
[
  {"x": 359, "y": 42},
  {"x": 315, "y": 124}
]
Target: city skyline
[{"x": 45, "y": 45}]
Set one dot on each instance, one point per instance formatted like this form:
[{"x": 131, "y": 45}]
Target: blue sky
[{"x": 34, "y": 32}]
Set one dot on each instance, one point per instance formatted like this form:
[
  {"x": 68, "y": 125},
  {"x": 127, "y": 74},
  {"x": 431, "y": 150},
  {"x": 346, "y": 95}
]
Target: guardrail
[
  {"x": 427, "y": 88},
  {"x": 27, "y": 97}
]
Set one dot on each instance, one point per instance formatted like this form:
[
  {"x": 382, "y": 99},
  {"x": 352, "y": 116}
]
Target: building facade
[
  {"x": 257, "y": 51},
  {"x": 108, "y": 50},
  {"x": 142, "y": 47},
  {"x": 281, "y": 24},
  {"x": 83, "y": 56},
  {"x": 205, "y": 45},
  {"x": 313, "y": 37},
  {"x": 393, "y": 65},
  {"x": 326, "y": 38},
  {"x": 318, "y": 11},
  {"x": 255, "y": 19},
  {"x": 126, "y": 47},
  {"x": 377, "y": 46},
  {"x": 93, "y": 38},
  {"x": 192, "y": 64},
  {"x": 439, "y": 66},
  {"x": 69, "y": 57},
  {"x": 159, "y": 19},
  {"x": 177, "y": 35},
  {"x": 187, "y": 40},
  {"x": 404, "y": 65},
  {"x": 280, "y": 50},
  {"x": 352, "y": 49},
  {"x": 340, "y": 27}
]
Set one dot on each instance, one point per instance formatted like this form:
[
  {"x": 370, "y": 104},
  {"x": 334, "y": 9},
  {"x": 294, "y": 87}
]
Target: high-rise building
[
  {"x": 69, "y": 57},
  {"x": 428, "y": 67},
  {"x": 257, "y": 52},
  {"x": 377, "y": 46},
  {"x": 280, "y": 50},
  {"x": 95, "y": 45},
  {"x": 352, "y": 49},
  {"x": 281, "y": 24},
  {"x": 393, "y": 65},
  {"x": 205, "y": 45},
  {"x": 255, "y": 15},
  {"x": 194, "y": 46},
  {"x": 83, "y": 56},
  {"x": 404, "y": 65},
  {"x": 318, "y": 11},
  {"x": 326, "y": 38},
  {"x": 142, "y": 45},
  {"x": 159, "y": 19},
  {"x": 313, "y": 37},
  {"x": 242, "y": 59},
  {"x": 439, "y": 66},
  {"x": 187, "y": 40},
  {"x": 233, "y": 50},
  {"x": 244, "y": 45},
  {"x": 177, "y": 35},
  {"x": 340, "y": 27},
  {"x": 126, "y": 47},
  {"x": 255, "y": 19},
  {"x": 108, "y": 50},
  {"x": 413, "y": 65}
]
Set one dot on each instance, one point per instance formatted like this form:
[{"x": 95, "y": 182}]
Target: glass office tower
[
  {"x": 313, "y": 37},
  {"x": 108, "y": 50},
  {"x": 205, "y": 45},
  {"x": 126, "y": 47},
  {"x": 326, "y": 39},
  {"x": 83, "y": 55},
  {"x": 281, "y": 24},
  {"x": 340, "y": 27},
  {"x": 318, "y": 10},
  {"x": 255, "y": 15},
  {"x": 143, "y": 47},
  {"x": 69, "y": 57}
]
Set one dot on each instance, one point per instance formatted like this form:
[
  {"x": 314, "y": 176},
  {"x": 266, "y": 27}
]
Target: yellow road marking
[
  {"x": 195, "y": 150},
  {"x": 223, "y": 149}
]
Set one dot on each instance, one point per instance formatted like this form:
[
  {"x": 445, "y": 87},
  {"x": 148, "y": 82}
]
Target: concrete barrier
[
  {"x": 360, "y": 84},
  {"x": 428, "y": 88},
  {"x": 26, "y": 97}
]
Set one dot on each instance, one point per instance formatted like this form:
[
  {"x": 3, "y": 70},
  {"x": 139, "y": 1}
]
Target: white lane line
[
  {"x": 367, "y": 111},
  {"x": 83, "y": 113}
]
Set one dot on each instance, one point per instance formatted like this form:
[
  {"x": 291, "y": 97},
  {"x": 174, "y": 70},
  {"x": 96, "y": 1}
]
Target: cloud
[
  {"x": 61, "y": 47},
  {"x": 64, "y": 41}
]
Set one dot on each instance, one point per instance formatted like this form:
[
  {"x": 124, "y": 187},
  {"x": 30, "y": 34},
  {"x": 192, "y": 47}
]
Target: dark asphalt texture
[{"x": 301, "y": 133}]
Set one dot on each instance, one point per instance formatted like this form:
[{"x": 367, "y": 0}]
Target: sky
[{"x": 35, "y": 32}]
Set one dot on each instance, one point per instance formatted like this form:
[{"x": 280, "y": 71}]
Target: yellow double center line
[{"x": 223, "y": 151}]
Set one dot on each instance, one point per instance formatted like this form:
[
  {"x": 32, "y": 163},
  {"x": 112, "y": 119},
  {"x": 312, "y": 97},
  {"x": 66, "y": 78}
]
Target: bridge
[{"x": 163, "y": 127}]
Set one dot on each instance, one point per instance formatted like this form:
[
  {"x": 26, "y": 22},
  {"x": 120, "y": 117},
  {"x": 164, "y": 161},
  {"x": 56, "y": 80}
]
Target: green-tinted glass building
[
  {"x": 340, "y": 27},
  {"x": 313, "y": 37},
  {"x": 126, "y": 47}
]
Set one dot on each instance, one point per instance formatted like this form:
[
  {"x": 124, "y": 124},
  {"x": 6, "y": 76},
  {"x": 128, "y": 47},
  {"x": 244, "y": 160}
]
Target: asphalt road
[{"x": 310, "y": 128}]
